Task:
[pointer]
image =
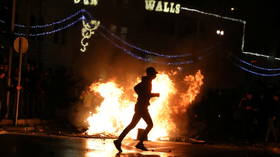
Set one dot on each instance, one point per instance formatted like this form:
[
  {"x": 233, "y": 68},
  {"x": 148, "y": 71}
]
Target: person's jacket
[{"x": 144, "y": 92}]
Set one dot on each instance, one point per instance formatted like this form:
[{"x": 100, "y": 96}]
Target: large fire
[{"x": 116, "y": 110}]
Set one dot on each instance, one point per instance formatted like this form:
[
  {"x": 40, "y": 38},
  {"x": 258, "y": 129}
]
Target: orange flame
[
  {"x": 194, "y": 84},
  {"x": 117, "y": 108}
]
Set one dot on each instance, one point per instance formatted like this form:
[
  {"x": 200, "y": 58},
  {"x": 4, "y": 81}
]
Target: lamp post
[{"x": 21, "y": 46}]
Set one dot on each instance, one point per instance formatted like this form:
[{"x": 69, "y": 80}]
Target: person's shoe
[
  {"x": 118, "y": 144},
  {"x": 141, "y": 146}
]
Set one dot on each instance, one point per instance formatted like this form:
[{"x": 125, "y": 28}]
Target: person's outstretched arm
[{"x": 154, "y": 95}]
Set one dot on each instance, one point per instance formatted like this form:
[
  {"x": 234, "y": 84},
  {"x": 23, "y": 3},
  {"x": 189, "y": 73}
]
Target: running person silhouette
[{"x": 143, "y": 90}]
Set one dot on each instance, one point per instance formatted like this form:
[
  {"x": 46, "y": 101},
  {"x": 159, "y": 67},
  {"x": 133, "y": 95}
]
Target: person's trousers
[{"x": 136, "y": 118}]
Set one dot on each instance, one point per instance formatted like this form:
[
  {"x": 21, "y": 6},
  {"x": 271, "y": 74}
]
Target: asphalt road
[{"x": 19, "y": 145}]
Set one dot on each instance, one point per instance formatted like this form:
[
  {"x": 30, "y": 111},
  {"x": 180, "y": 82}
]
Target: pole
[
  {"x": 19, "y": 80},
  {"x": 10, "y": 61}
]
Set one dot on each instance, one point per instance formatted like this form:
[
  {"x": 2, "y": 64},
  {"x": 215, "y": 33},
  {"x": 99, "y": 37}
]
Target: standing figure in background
[
  {"x": 144, "y": 92},
  {"x": 272, "y": 112},
  {"x": 248, "y": 111}
]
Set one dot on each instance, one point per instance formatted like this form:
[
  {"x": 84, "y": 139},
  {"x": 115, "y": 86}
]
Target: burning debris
[{"x": 117, "y": 105}]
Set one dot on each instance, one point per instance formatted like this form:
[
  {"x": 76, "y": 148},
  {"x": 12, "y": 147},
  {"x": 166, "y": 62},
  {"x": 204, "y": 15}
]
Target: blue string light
[
  {"x": 104, "y": 28},
  {"x": 257, "y": 73},
  {"x": 130, "y": 45},
  {"x": 154, "y": 53},
  {"x": 154, "y": 61},
  {"x": 57, "y": 22},
  {"x": 137, "y": 48},
  {"x": 112, "y": 34},
  {"x": 124, "y": 49},
  {"x": 143, "y": 50},
  {"x": 253, "y": 72},
  {"x": 50, "y": 32},
  {"x": 90, "y": 17},
  {"x": 116, "y": 45},
  {"x": 54, "y": 23},
  {"x": 142, "y": 58},
  {"x": 258, "y": 67}
]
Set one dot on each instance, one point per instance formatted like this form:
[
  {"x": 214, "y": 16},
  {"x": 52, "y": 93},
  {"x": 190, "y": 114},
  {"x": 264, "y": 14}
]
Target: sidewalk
[
  {"x": 30, "y": 122},
  {"x": 23, "y": 125}
]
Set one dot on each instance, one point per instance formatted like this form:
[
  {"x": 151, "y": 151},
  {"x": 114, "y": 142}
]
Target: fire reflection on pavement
[{"x": 106, "y": 148}]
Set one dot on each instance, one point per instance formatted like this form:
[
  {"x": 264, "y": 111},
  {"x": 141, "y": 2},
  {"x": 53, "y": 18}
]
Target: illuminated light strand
[
  {"x": 258, "y": 67},
  {"x": 142, "y": 58},
  {"x": 184, "y": 8},
  {"x": 54, "y": 23},
  {"x": 90, "y": 17},
  {"x": 57, "y": 22},
  {"x": 150, "y": 60},
  {"x": 256, "y": 73},
  {"x": 170, "y": 63},
  {"x": 261, "y": 55},
  {"x": 215, "y": 15},
  {"x": 83, "y": 18},
  {"x": 143, "y": 50},
  {"x": 124, "y": 49},
  {"x": 87, "y": 13},
  {"x": 138, "y": 57},
  {"x": 179, "y": 63},
  {"x": 83, "y": 44},
  {"x": 154, "y": 53},
  {"x": 222, "y": 17},
  {"x": 208, "y": 54},
  {"x": 231, "y": 19},
  {"x": 50, "y": 32},
  {"x": 243, "y": 39}
]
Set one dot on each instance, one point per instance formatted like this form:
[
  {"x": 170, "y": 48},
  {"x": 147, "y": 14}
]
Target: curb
[{"x": 22, "y": 122}]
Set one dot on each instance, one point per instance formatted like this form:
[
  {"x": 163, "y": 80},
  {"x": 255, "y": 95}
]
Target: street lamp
[{"x": 220, "y": 32}]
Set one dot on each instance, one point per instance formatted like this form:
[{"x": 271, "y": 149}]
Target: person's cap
[{"x": 151, "y": 71}]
